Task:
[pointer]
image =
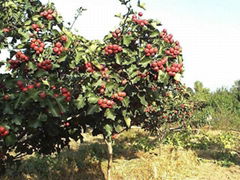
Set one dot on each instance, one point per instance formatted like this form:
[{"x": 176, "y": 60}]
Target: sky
[{"x": 208, "y": 31}]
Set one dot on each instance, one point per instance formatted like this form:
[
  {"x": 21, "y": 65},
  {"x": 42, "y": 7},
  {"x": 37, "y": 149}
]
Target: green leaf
[
  {"x": 127, "y": 121},
  {"x": 36, "y": 17},
  {"x": 35, "y": 123},
  {"x": 135, "y": 80},
  {"x": 7, "y": 109},
  {"x": 163, "y": 77},
  {"x": 118, "y": 128},
  {"x": 143, "y": 100},
  {"x": 110, "y": 114},
  {"x": 93, "y": 48},
  {"x": 55, "y": 66},
  {"x": 107, "y": 130},
  {"x": 18, "y": 101},
  {"x": 80, "y": 102},
  {"x": 93, "y": 99},
  {"x": 154, "y": 34},
  {"x": 125, "y": 101},
  {"x": 10, "y": 140},
  {"x": 60, "y": 105},
  {"x": 119, "y": 15},
  {"x": 118, "y": 58},
  {"x": 127, "y": 39},
  {"x": 177, "y": 77},
  {"x": 17, "y": 120},
  {"x": 93, "y": 109},
  {"x": 62, "y": 59},
  {"x": 145, "y": 61},
  {"x": 28, "y": 22},
  {"x": 142, "y": 5},
  {"x": 52, "y": 108},
  {"x": 46, "y": 82}
]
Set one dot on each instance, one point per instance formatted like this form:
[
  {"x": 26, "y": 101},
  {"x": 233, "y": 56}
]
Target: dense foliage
[
  {"x": 219, "y": 108},
  {"x": 58, "y": 83}
]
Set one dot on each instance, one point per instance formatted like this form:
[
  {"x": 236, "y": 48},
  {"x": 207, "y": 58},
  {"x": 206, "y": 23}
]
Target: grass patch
[{"x": 138, "y": 156}]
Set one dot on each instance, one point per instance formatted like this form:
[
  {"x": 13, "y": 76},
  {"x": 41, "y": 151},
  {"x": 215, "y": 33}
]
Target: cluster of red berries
[
  {"x": 150, "y": 51},
  {"x": 168, "y": 38},
  {"x": 46, "y": 65},
  {"x": 141, "y": 22},
  {"x": 104, "y": 71},
  {"x": 158, "y": 65},
  {"x": 116, "y": 33},
  {"x": 37, "y": 45},
  {"x": 142, "y": 75},
  {"x": 119, "y": 96},
  {"x": 58, "y": 48},
  {"x": 89, "y": 67},
  {"x": 24, "y": 88},
  {"x": 175, "y": 68},
  {"x": 36, "y": 27},
  {"x": 173, "y": 51},
  {"x": 21, "y": 56},
  {"x": 106, "y": 103},
  {"x": 14, "y": 64},
  {"x": 47, "y": 14},
  {"x": 3, "y": 131},
  {"x": 112, "y": 49},
  {"x": 102, "y": 89},
  {"x": 66, "y": 93}
]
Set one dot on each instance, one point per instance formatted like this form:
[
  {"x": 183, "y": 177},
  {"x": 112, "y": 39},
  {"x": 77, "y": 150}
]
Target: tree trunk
[{"x": 110, "y": 158}]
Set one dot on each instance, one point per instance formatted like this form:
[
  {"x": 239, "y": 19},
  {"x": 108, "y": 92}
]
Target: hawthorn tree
[{"x": 59, "y": 83}]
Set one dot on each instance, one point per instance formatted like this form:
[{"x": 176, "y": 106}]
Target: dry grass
[{"x": 163, "y": 163}]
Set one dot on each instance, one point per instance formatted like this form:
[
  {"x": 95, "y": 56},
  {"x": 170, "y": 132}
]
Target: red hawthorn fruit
[
  {"x": 121, "y": 94},
  {"x": 30, "y": 86},
  {"x": 49, "y": 11},
  {"x": 68, "y": 99},
  {"x": 102, "y": 90},
  {"x": 120, "y": 98},
  {"x": 66, "y": 124},
  {"x": 140, "y": 14},
  {"x": 149, "y": 46},
  {"x": 49, "y": 17},
  {"x": 2, "y": 129},
  {"x": 6, "y": 132},
  {"x": 64, "y": 38},
  {"x": 64, "y": 90},
  {"x": 6, "y": 97},
  {"x": 100, "y": 101},
  {"x": 53, "y": 87},
  {"x": 124, "y": 82},
  {"x": 24, "y": 89},
  {"x": 58, "y": 44},
  {"x": 6, "y": 30},
  {"x": 38, "y": 84},
  {"x": 42, "y": 95},
  {"x": 20, "y": 83}
]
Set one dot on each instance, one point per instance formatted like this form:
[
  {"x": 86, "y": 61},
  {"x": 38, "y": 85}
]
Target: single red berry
[{"x": 140, "y": 14}]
